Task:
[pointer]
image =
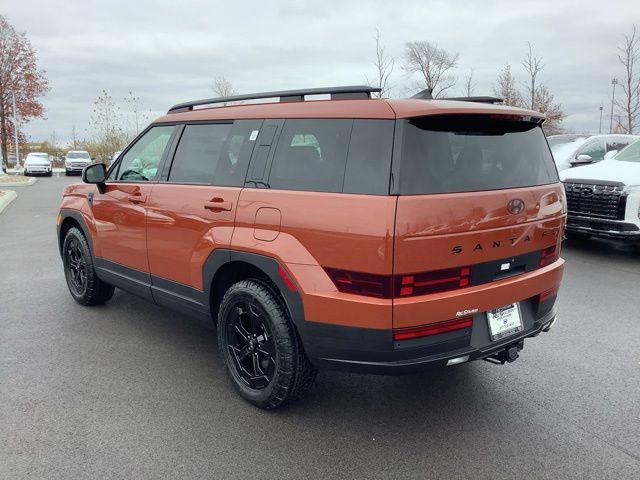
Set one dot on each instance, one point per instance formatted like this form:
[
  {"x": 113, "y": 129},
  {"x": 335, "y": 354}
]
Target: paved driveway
[{"x": 130, "y": 390}]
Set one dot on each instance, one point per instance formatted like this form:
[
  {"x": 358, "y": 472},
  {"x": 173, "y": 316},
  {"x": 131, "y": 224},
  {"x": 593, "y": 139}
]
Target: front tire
[
  {"x": 260, "y": 348},
  {"x": 85, "y": 286}
]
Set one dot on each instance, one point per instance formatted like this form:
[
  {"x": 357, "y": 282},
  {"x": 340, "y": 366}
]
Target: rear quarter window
[
  {"x": 334, "y": 155},
  {"x": 464, "y": 153}
]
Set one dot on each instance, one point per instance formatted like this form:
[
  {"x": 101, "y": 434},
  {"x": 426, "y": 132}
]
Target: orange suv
[{"x": 369, "y": 235}]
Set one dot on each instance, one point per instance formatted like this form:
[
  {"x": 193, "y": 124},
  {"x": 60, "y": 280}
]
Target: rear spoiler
[{"x": 427, "y": 94}]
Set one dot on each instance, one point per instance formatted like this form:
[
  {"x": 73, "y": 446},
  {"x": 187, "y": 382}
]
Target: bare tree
[
  {"x": 629, "y": 56},
  {"x": 506, "y": 89},
  {"x": 138, "y": 117},
  {"x": 433, "y": 64},
  {"x": 469, "y": 84},
  {"x": 533, "y": 66},
  {"x": 105, "y": 120},
  {"x": 384, "y": 64},
  {"x": 545, "y": 102},
  {"x": 223, "y": 87}
]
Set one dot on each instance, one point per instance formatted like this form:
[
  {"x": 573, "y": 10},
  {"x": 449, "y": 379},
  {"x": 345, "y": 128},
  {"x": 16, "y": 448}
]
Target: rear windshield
[{"x": 465, "y": 153}]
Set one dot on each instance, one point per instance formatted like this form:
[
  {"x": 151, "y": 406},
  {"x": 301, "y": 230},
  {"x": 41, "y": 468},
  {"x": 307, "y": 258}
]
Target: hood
[
  {"x": 77, "y": 160},
  {"x": 609, "y": 170}
]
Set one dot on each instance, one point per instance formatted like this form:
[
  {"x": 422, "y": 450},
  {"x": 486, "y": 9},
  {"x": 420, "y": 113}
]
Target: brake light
[
  {"x": 383, "y": 286},
  {"x": 547, "y": 294},
  {"x": 433, "y": 329},
  {"x": 549, "y": 255},
  {"x": 368, "y": 284},
  {"x": 431, "y": 282}
]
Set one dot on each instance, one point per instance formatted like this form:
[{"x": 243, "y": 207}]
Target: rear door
[
  {"x": 191, "y": 211},
  {"x": 479, "y": 199}
]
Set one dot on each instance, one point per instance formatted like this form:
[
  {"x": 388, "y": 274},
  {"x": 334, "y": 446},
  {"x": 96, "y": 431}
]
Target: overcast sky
[{"x": 168, "y": 52}]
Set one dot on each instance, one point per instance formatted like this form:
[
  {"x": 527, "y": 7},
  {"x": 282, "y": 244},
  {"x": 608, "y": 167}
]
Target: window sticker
[{"x": 254, "y": 135}]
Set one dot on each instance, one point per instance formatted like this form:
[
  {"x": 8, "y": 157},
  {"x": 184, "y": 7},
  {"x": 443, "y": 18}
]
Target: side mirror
[
  {"x": 610, "y": 154},
  {"x": 582, "y": 159},
  {"x": 95, "y": 174},
  {"x": 93, "y": 159}
]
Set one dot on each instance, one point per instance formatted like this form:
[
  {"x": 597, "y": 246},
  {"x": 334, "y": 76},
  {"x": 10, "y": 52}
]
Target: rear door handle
[
  {"x": 218, "y": 204},
  {"x": 137, "y": 198}
]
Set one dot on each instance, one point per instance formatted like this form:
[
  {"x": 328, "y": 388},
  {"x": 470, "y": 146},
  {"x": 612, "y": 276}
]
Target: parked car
[
  {"x": 37, "y": 163},
  {"x": 114, "y": 157},
  {"x": 603, "y": 199},
  {"x": 575, "y": 150},
  {"x": 75, "y": 161},
  {"x": 368, "y": 235}
]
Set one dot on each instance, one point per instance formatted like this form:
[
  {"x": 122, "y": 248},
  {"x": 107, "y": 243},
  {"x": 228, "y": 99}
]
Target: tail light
[
  {"x": 431, "y": 282},
  {"x": 433, "y": 329},
  {"x": 383, "y": 286},
  {"x": 368, "y": 284},
  {"x": 549, "y": 255}
]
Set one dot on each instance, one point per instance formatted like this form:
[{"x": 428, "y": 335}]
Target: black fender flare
[
  {"x": 77, "y": 216},
  {"x": 269, "y": 265}
]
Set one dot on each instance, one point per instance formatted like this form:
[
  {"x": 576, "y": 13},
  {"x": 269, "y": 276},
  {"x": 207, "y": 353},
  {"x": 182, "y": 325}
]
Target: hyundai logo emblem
[
  {"x": 587, "y": 191},
  {"x": 515, "y": 206}
]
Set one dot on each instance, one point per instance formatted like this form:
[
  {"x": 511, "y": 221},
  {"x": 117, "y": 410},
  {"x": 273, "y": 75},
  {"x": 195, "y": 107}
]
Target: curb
[
  {"x": 31, "y": 181},
  {"x": 8, "y": 197}
]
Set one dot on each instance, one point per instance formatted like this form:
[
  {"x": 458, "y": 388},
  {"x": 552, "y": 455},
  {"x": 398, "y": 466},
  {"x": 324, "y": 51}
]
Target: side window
[
  {"x": 595, "y": 149},
  {"x": 140, "y": 163},
  {"x": 236, "y": 153},
  {"x": 198, "y": 153},
  {"x": 311, "y": 155},
  {"x": 617, "y": 144},
  {"x": 369, "y": 160}
]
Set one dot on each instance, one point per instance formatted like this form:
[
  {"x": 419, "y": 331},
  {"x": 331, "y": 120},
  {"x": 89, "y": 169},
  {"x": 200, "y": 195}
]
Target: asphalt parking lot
[{"x": 130, "y": 390}]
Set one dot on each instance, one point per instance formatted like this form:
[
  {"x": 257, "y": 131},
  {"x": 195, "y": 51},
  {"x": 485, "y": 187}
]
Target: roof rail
[
  {"x": 476, "y": 99},
  {"x": 337, "y": 93}
]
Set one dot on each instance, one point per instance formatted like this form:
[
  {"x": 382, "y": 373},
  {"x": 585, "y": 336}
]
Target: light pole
[
  {"x": 600, "y": 128},
  {"x": 614, "y": 82},
  {"x": 15, "y": 130}
]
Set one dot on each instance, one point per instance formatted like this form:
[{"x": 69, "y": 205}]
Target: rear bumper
[
  {"x": 603, "y": 228},
  {"x": 374, "y": 351}
]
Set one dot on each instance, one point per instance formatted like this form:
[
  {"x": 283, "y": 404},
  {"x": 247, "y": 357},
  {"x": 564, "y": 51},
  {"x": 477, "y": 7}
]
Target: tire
[
  {"x": 84, "y": 285},
  {"x": 66, "y": 173},
  {"x": 25, "y": 173},
  {"x": 50, "y": 174},
  {"x": 249, "y": 311}
]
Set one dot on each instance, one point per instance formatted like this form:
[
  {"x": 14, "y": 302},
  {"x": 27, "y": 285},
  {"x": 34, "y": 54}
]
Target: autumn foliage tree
[{"x": 19, "y": 76}]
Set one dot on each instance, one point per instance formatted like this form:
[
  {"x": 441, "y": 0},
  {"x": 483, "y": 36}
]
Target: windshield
[
  {"x": 630, "y": 154},
  {"x": 464, "y": 153},
  {"x": 82, "y": 155}
]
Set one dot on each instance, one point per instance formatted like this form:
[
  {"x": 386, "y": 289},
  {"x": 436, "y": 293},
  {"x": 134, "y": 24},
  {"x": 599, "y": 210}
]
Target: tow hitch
[{"x": 508, "y": 354}]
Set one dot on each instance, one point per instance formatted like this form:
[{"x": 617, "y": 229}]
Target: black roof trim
[
  {"x": 337, "y": 93},
  {"x": 475, "y": 99}
]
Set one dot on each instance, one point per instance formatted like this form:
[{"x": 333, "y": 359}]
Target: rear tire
[
  {"x": 260, "y": 348},
  {"x": 83, "y": 282}
]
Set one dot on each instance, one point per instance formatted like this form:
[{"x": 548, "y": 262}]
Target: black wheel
[
  {"x": 85, "y": 286},
  {"x": 66, "y": 173},
  {"x": 261, "y": 351},
  {"x": 50, "y": 174},
  {"x": 25, "y": 173}
]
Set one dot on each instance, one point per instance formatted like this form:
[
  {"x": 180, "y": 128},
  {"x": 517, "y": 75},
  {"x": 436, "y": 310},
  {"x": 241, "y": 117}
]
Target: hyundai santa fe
[{"x": 367, "y": 235}]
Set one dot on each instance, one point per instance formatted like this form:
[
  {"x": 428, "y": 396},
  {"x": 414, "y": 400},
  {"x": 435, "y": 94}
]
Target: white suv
[
  {"x": 603, "y": 199},
  {"x": 75, "y": 161},
  {"x": 576, "y": 150},
  {"x": 37, "y": 162}
]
